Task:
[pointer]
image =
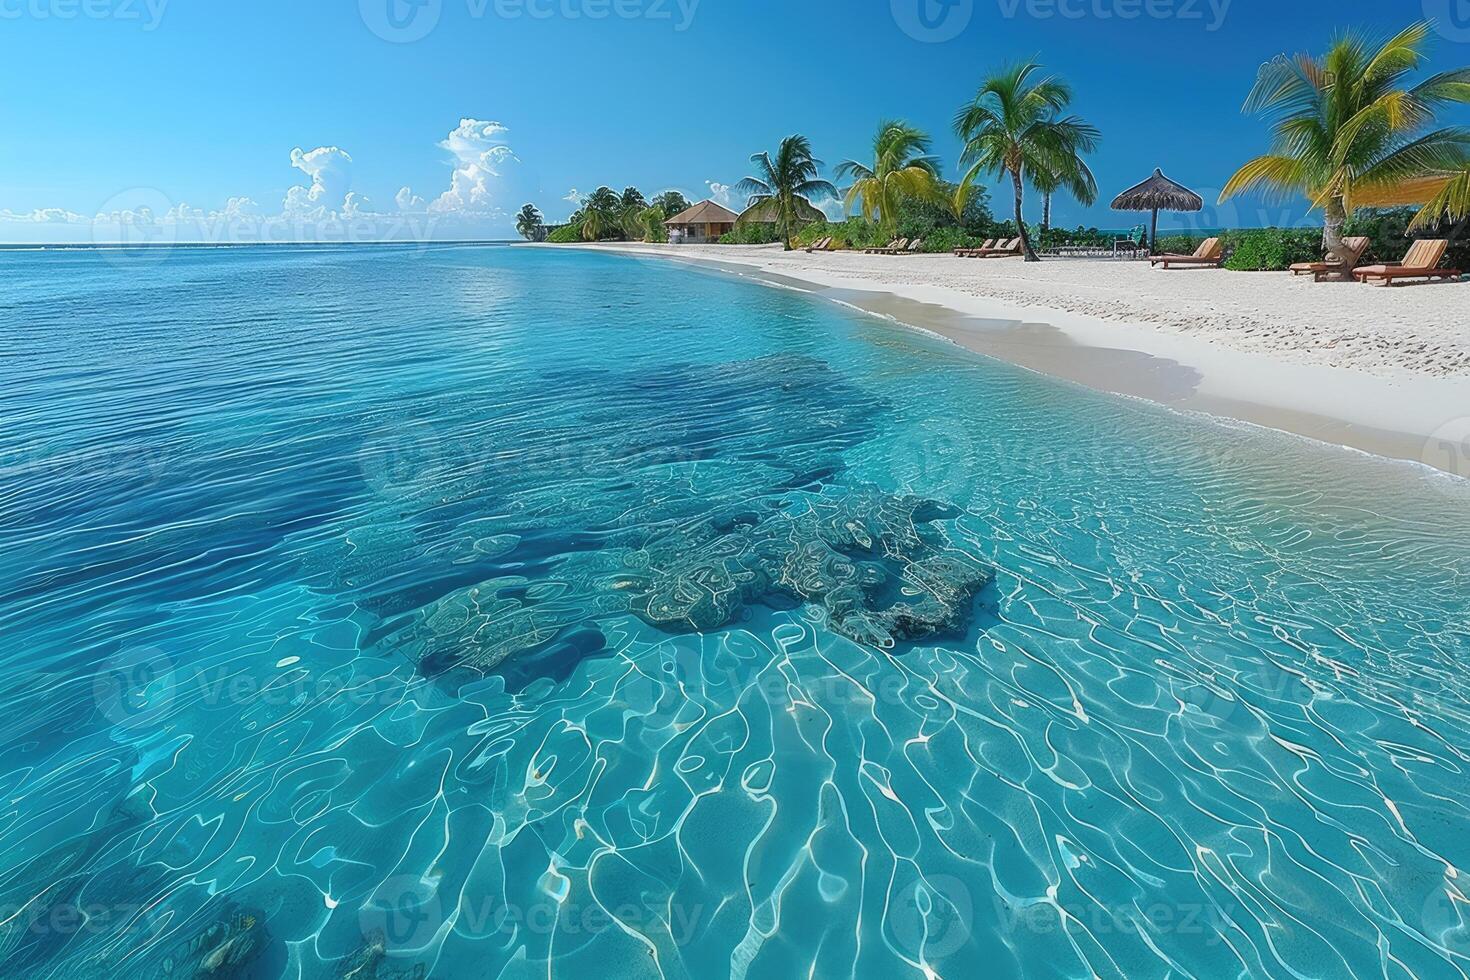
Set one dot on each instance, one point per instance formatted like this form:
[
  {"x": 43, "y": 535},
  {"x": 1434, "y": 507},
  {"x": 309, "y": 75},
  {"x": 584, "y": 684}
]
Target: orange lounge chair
[
  {"x": 989, "y": 244},
  {"x": 1209, "y": 253},
  {"x": 1003, "y": 251},
  {"x": 1356, "y": 246},
  {"x": 1422, "y": 262}
]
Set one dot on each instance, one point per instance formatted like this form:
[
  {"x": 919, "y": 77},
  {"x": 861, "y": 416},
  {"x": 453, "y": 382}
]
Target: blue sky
[{"x": 195, "y": 106}]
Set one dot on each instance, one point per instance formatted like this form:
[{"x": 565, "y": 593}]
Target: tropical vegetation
[
  {"x": 903, "y": 169},
  {"x": 528, "y": 222},
  {"x": 1016, "y": 127},
  {"x": 1354, "y": 132},
  {"x": 783, "y": 187},
  {"x": 1351, "y": 130}
]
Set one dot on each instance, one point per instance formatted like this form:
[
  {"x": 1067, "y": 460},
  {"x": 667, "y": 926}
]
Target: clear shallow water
[{"x": 350, "y": 595}]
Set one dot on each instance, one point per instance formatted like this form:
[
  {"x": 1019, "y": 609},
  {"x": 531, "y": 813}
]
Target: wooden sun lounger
[
  {"x": 895, "y": 245},
  {"x": 1003, "y": 247},
  {"x": 1209, "y": 253},
  {"x": 1422, "y": 262},
  {"x": 1356, "y": 246},
  {"x": 1006, "y": 250},
  {"x": 819, "y": 246},
  {"x": 966, "y": 253},
  {"x": 914, "y": 247}
]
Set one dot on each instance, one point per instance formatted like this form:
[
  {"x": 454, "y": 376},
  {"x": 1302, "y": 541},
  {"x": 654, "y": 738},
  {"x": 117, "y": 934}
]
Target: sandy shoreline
[{"x": 1382, "y": 370}]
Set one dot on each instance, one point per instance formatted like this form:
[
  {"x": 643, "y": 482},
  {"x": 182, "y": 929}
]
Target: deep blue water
[{"x": 491, "y": 612}]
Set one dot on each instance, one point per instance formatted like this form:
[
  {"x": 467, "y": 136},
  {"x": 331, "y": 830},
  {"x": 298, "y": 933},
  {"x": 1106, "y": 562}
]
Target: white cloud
[
  {"x": 237, "y": 207},
  {"x": 480, "y": 157},
  {"x": 573, "y": 195},
  {"x": 330, "y": 170},
  {"x": 483, "y": 190},
  {"x": 42, "y": 216},
  {"x": 407, "y": 200},
  {"x": 718, "y": 192}
]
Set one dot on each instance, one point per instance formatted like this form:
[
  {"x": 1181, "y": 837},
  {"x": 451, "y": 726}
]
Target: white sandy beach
[{"x": 1386, "y": 370}]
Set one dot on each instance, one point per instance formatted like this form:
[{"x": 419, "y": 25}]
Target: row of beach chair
[
  {"x": 899, "y": 246},
  {"x": 995, "y": 248},
  {"x": 1421, "y": 262}
]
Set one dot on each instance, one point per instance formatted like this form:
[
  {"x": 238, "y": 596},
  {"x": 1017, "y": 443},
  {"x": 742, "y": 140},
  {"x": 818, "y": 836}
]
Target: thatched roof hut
[
  {"x": 765, "y": 213},
  {"x": 705, "y": 222},
  {"x": 1156, "y": 194}
]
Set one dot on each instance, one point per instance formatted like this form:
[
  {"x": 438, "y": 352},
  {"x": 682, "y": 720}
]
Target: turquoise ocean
[{"x": 479, "y": 612}]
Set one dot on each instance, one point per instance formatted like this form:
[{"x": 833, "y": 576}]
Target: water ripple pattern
[{"x": 485, "y": 612}]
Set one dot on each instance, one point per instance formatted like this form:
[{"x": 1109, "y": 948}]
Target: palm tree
[
  {"x": 672, "y": 203},
  {"x": 601, "y": 213},
  {"x": 1015, "y": 126},
  {"x": 962, "y": 197},
  {"x": 902, "y": 169},
  {"x": 1349, "y": 133},
  {"x": 1048, "y": 183},
  {"x": 651, "y": 223},
  {"x": 790, "y": 180},
  {"x": 528, "y": 222}
]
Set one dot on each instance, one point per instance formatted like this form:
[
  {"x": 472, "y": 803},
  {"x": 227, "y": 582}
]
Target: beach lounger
[
  {"x": 965, "y": 253},
  {"x": 1209, "y": 253},
  {"x": 914, "y": 248},
  {"x": 1005, "y": 250},
  {"x": 886, "y": 248},
  {"x": 820, "y": 246},
  {"x": 1003, "y": 246},
  {"x": 1422, "y": 262},
  {"x": 1356, "y": 246},
  {"x": 896, "y": 249}
]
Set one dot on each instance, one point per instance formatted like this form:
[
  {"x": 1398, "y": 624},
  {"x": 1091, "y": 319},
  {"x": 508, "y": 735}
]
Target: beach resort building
[{"x": 701, "y": 224}]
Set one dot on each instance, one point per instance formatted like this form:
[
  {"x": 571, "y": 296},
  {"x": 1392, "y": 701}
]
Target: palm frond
[
  {"x": 1449, "y": 205},
  {"x": 1277, "y": 176}
]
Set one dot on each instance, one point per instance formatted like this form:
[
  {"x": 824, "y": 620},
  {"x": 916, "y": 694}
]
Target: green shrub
[
  {"x": 565, "y": 235},
  {"x": 1389, "y": 237},
  {"x": 751, "y": 233},
  {"x": 1271, "y": 249},
  {"x": 1179, "y": 244}
]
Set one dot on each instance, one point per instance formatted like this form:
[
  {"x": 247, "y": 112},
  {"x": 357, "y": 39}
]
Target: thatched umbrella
[{"x": 1156, "y": 194}]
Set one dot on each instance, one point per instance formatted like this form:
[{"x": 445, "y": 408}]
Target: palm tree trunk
[
  {"x": 1046, "y": 213},
  {"x": 1026, "y": 249},
  {"x": 1335, "y": 217}
]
